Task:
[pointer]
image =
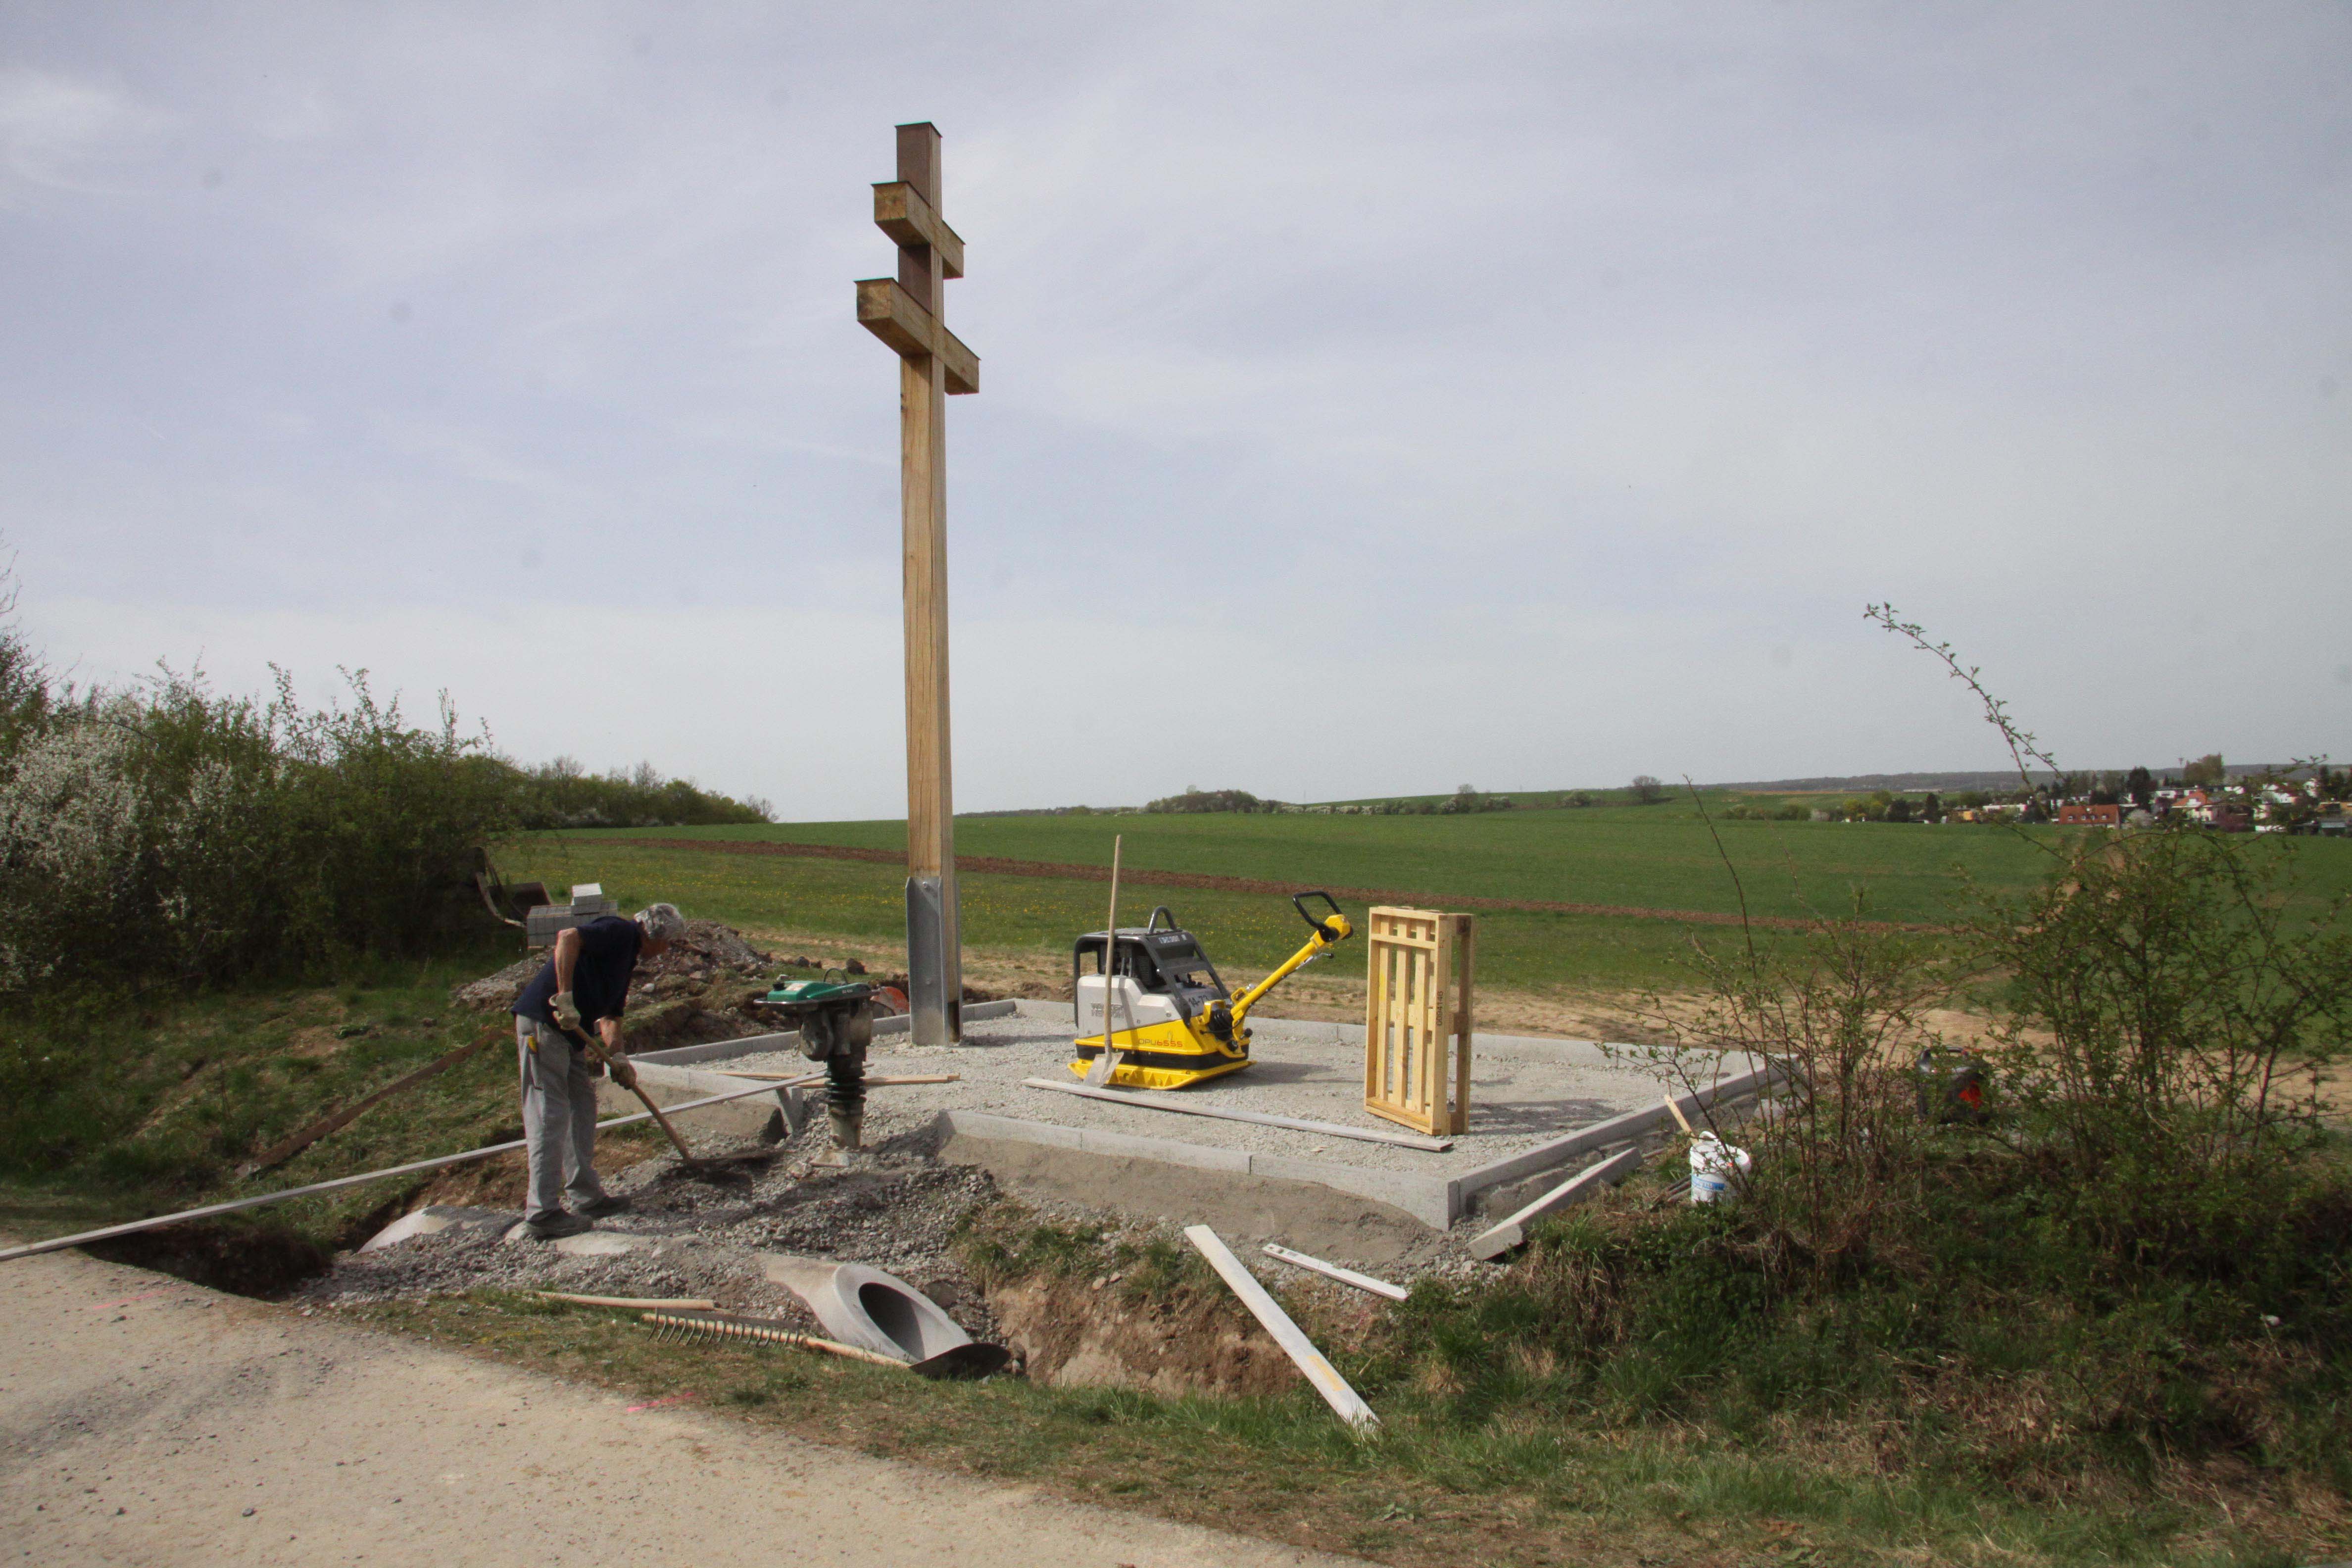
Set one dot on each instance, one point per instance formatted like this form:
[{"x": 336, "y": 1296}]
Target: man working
[{"x": 584, "y": 985}]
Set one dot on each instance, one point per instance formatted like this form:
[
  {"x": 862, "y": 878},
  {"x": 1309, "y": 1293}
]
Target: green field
[{"x": 1660, "y": 857}]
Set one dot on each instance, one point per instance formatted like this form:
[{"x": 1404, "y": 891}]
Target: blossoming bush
[{"x": 165, "y": 832}]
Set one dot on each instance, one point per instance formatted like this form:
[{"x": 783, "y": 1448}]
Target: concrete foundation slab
[{"x": 1537, "y": 1104}]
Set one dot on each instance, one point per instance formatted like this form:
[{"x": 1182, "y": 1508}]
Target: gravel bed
[
  {"x": 1519, "y": 1096},
  {"x": 705, "y": 1235}
]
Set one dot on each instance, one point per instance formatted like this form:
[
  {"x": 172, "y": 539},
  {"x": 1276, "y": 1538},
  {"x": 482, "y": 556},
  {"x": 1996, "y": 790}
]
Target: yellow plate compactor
[{"x": 1173, "y": 1023}]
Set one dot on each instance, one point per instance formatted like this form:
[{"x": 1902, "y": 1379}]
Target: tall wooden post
[{"x": 906, "y": 312}]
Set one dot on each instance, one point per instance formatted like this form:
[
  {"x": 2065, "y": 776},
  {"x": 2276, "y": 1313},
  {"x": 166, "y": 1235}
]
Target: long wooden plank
[
  {"x": 1331, "y": 1271},
  {"x": 1344, "y": 1400},
  {"x": 279, "y": 1153},
  {"x": 1151, "y": 1100},
  {"x": 58, "y": 1243}
]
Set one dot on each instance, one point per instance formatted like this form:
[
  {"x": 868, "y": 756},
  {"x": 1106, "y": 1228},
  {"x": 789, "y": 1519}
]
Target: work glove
[
  {"x": 567, "y": 1011},
  {"x": 621, "y": 1071}
]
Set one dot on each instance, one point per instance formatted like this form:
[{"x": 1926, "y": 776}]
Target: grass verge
[
  {"x": 129, "y": 1104},
  {"x": 1426, "y": 1491}
]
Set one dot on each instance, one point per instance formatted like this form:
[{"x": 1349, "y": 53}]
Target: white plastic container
[{"x": 1712, "y": 1162}]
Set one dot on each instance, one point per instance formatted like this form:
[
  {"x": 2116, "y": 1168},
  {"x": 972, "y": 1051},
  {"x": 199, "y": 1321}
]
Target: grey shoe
[
  {"x": 556, "y": 1226},
  {"x": 597, "y": 1209}
]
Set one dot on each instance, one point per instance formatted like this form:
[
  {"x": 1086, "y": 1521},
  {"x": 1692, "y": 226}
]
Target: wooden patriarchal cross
[{"x": 906, "y": 312}]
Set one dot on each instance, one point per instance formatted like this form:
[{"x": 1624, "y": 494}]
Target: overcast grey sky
[{"x": 1374, "y": 397}]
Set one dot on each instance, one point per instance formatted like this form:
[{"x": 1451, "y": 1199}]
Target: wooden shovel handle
[{"x": 597, "y": 1051}]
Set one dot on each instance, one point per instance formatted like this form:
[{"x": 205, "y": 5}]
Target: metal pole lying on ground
[
  {"x": 57, "y": 1244},
  {"x": 1335, "y": 1390}
]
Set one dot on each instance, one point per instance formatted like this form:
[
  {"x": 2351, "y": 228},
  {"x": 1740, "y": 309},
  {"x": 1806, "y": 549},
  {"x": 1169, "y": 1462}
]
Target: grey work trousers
[{"x": 558, "y": 1119}]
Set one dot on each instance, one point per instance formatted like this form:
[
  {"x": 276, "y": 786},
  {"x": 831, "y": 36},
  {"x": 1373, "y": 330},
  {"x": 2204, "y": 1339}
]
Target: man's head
[{"x": 662, "y": 925}]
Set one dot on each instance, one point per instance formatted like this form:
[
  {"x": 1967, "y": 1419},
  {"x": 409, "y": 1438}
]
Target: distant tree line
[
  {"x": 562, "y": 793},
  {"x": 1196, "y": 799},
  {"x": 1465, "y": 800}
]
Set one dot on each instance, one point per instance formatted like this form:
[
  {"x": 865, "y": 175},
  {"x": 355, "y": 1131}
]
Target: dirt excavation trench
[{"x": 709, "y": 1235}]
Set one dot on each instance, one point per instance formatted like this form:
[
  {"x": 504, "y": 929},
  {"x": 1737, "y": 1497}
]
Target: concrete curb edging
[
  {"x": 1513, "y": 1231},
  {"x": 1600, "y": 1135},
  {"x": 790, "y": 1040},
  {"x": 717, "y": 1050}
]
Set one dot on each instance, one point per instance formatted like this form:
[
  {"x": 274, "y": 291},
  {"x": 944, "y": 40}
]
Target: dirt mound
[
  {"x": 709, "y": 954},
  {"x": 707, "y": 947},
  {"x": 499, "y": 990}
]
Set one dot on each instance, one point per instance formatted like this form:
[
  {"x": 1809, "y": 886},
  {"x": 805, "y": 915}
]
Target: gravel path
[{"x": 144, "y": 1420}]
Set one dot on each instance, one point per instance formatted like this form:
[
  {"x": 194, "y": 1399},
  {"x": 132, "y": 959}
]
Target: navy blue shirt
[{"x": 600, "y": 976}]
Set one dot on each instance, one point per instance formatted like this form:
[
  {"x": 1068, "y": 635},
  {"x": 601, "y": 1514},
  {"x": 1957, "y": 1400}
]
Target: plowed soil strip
[{"x": 1066, "y": 871}]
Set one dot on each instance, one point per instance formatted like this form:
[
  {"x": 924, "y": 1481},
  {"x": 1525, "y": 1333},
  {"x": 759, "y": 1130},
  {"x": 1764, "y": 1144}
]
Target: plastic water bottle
[{"x": 1712, "y": 1161}]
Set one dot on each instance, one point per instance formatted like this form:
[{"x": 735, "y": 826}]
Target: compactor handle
[
  {"x": 1158, "y": 911},
  {"x": 1322, "y": 928}
]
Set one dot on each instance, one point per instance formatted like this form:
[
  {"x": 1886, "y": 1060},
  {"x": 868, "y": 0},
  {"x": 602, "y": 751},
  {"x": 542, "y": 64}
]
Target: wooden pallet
[{"x": 1417, "y": 1018}]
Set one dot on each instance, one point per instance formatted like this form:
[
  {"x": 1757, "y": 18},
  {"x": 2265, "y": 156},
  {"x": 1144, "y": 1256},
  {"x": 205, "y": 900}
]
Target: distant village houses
[{"x": 2304, "y": 799}]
